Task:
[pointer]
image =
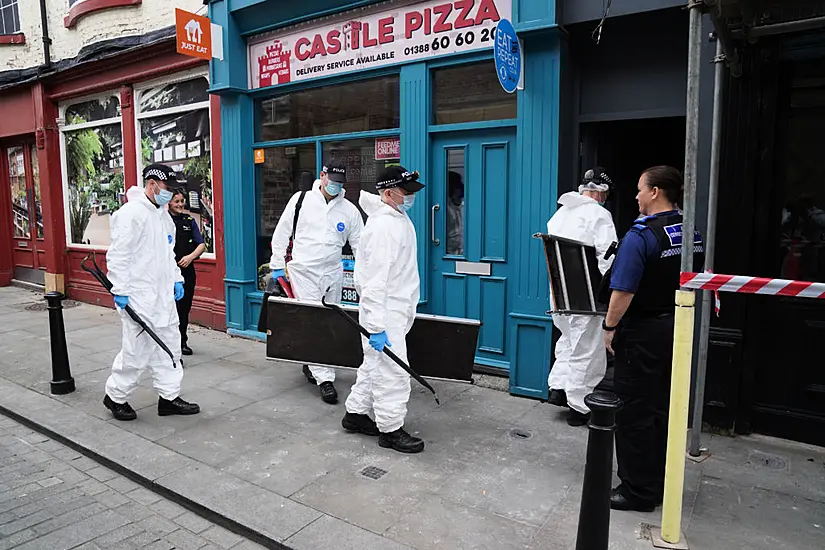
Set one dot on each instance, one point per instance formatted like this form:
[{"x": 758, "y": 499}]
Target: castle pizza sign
[{"x": 362, "y": 39}]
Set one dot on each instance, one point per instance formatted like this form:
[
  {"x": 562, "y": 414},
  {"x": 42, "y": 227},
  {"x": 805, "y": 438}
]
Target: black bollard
[
  {"x": 594, "y": 515},
  {"x": 62, "y": 381}
]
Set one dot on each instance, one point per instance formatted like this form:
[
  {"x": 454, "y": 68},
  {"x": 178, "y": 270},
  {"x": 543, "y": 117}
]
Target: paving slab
[{"x": 268, "y": 456}]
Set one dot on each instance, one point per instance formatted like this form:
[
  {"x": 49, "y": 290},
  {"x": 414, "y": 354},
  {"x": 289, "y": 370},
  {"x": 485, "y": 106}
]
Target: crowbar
[
  {"x": 387, "y": 350},
  {"x": 101, "y": 277}
]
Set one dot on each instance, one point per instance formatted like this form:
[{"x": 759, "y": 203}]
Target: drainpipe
[{"x": 47, "y": 42}]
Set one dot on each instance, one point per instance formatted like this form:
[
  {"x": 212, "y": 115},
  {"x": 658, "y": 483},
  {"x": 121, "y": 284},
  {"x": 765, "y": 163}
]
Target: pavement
[
  {"x": 54, "y": 497},
  {"x": 268, "y": 461}
]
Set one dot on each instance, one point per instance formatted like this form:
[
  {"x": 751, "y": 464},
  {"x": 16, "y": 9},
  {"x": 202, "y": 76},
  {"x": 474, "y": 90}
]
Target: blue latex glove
[
  {"x": 278, "y": 273},
  {"x": 378, "y": 341},
  {"x": 121, "y": 301},
  {"x": 178, "y": 291}
]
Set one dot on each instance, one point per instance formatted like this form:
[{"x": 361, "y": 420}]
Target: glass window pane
[
  {"x": 95, "y": 169},
  {"x": 470, "y": 93},
  {"x": 183, "y": 143},
  {"x": 455, "y": 202},
  {"x": 285, "y": 171},
  {"x": 179, "y": 94},
  {"x": 90, "y": 111},
  {"x": 38, "y": 207},
  {"x": 352, "y": 107},
  {"x": 19, "y": 196},
  {"x": 363, "y": 168}
]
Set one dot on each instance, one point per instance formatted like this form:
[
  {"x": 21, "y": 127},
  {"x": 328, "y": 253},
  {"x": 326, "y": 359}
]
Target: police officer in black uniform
[
  {"x": 638, "y": 329},
  {"x": 189, "y": 246}
]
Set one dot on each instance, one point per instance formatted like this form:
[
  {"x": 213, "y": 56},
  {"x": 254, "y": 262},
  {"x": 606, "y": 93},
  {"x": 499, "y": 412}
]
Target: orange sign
[
  {"x": 194, "y": 34},
  {"x": 259, "y": 156}
]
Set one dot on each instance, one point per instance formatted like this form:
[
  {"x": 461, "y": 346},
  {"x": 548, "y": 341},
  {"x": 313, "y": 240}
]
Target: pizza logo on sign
[{"x": 273, "y": 67}]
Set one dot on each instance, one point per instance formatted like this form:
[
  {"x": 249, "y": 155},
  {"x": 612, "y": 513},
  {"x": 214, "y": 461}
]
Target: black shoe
[
  {"x": 401, "y": 441},
  {"x": 328, "y": 393},
  {"x": 621, "y": 500},
  {"x": 176, "y": 406},
  {"x": 575, "y": 418},
  {"x": 359, "y": 423},
  {"x": 557, "y": 398},
  {"x": 308, "y": 374},
  {"x": 121, "y": 411},
  {"x": 185, "y": 350}
]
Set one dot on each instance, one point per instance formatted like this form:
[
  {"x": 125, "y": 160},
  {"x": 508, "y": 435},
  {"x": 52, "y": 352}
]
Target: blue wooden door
[{"x": 469, "y": 215}]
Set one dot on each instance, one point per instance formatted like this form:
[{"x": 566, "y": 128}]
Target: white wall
[{"x": 150, "y": 16}]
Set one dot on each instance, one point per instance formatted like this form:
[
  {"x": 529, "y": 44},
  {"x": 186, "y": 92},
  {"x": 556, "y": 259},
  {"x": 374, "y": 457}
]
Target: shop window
[
  {"x": 181, "y": 94},
  {"x": 470, "y": 93},
  {"x": 352, "y": 107},
  {"x": 174, "y": 129},
  {"x": 284, "y": 172},
  {"x": 93, "y": 111},
  {"x": 364, "y": 159},
  {"x": 9, "y": 17},
  {"x": 93, "y": 169},
  {"x": 38, "y": 207},
  {"x": 19, "y": 194}
]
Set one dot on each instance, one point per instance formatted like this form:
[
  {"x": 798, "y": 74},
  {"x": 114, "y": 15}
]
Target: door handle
[{"x": 436, "y": 241}]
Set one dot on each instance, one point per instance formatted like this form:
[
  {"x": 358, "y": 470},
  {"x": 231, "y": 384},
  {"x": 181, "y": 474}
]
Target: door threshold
[
  {"x": 494, "y": 371},
  {"x": 34, "y": 287}
]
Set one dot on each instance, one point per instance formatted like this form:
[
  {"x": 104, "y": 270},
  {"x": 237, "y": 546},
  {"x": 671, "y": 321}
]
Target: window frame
[
  {"x": 64, "y": 159},
  {"x": 177, "y": 78},
  {"x": 15, "y": 5}
]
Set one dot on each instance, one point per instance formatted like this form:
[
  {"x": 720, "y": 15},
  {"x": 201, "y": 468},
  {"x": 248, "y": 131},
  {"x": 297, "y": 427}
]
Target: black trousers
[
  {"x": 184, "y": 305},
  {"x": 644, "y": 354}
]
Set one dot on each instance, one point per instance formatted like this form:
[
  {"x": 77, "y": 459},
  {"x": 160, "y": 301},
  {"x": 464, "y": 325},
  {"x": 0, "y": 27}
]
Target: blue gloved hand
[
  {"x": 278, "y": 273},
  {"x": 178, "y": 291},
  {"x": 121, "y": 301},
  {"x": 378, "y": 341}
]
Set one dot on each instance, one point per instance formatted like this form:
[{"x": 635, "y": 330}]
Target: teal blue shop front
[{"x": 409, "y": 82}]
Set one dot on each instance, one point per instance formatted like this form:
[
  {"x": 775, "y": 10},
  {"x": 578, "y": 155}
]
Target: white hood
[
  {"x": 582, "y": 219},
  {"x": 573, "y": 199},
  {"x": 371, "y": 203}
]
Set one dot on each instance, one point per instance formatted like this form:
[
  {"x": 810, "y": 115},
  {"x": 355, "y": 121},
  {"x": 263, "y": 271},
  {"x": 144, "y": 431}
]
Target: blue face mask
[
  {"x": 333, "y": 188},
  {"x": 409, "y": 200},
  {"x": 602, "y": 203},
  {"x": 163, "y": 198}
]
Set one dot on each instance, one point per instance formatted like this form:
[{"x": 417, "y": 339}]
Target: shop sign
[
  {"x": 388, "y": 148},
  {"x": 194, "y": 34},
  {"x": 507, "y": 56},
  {"x": 359, "y": 40}
]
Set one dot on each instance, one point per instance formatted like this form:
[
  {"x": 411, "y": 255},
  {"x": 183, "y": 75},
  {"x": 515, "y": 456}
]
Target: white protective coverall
[
  {"x": 323, "y": 229},
  {"x": 386, "y": 278},
  {"x": 581, "y": 359},
  {"x": 141, "y": 263}
]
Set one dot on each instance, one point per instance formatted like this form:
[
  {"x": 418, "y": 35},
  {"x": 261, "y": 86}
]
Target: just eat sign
[{"x": 194, "y": 34}]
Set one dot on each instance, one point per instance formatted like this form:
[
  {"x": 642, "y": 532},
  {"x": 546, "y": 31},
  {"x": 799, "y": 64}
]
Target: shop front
[
  {"x": 375, "y": 84},
  {"x": 77, "y": 141}
]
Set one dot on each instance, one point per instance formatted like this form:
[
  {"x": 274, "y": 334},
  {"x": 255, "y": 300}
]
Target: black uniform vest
[
  {"x": 184, "y": 236},
  {"x": 660, "y": 280}
]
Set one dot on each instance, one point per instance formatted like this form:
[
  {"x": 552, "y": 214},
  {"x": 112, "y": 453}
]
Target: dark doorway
[
  {"x": 784, "y": 334},
  {"x": 625, "y": 148}
]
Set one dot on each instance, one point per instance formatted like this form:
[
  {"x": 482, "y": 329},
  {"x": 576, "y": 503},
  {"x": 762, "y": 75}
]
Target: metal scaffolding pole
[
  {"x": 685, "y": 301},
  {"x": 694, "y": 445},
  {"x": 692, "y": 133}
]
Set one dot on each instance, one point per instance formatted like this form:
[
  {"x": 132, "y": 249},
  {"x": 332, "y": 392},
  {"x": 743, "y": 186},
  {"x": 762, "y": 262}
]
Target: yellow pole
[{"x": 678, "y": 420}]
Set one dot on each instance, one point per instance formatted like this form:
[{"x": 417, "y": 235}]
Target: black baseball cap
[
  {"x": 398, "y": 176},
  {"x": 162, "y": 173},
  {"x": 337, "y": 171}
]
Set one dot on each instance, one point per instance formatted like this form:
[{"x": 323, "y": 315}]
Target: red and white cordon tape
[{"x": 752, "y": 285}]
